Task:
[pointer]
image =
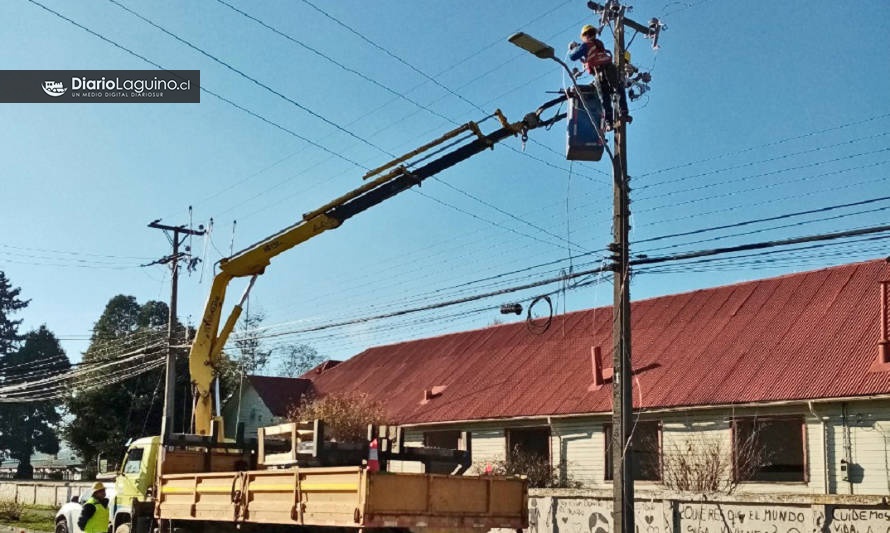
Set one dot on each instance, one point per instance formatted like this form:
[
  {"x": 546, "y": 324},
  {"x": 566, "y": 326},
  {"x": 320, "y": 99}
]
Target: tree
[
  {"x": 27, "y": 427},
  {"x": 9, "y": 303},
  {"x": 346, "y": 414},
  {"x": 119, "y": 402},
  {"x": 252, "y": 358},
  {"x": 297, "y": 360},
  {"x": 248, "y": 357}
]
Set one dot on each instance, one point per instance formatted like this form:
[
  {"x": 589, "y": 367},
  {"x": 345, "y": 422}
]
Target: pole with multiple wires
[
  {"x": 173, "y": 260},
  {"x": 612, "y": 13}
]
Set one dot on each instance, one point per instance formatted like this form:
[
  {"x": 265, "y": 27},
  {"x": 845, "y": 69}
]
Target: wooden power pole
[
  {"x": 613, "y": 13},
  {"x": 173, "y": 260},
  {"x": 622, "y": 396}
]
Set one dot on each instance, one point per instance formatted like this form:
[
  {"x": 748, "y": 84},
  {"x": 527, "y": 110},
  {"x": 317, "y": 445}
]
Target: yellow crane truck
[{"x": 291, "y": 478}]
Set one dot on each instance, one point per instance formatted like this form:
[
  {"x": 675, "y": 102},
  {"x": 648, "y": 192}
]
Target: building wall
[
  {"x": 577, "y": 445},
  {"x": 866, "y": 446},
  {"x": 253, "y": 412}
]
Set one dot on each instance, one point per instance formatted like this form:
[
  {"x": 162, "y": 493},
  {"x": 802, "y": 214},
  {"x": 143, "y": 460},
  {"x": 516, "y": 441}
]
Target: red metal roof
[
  {"x": 279, "y": 394},
  {"x": 803, "y": 336}
]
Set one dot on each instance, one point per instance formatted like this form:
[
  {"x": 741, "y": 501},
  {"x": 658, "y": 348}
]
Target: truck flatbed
[{"x": 350, "y": 497}]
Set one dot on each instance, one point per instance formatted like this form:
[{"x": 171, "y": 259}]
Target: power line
[
  {"x": 764, "y": 174},
  {"x": 761, "y": 161},
  {"x": 766, "y": 219},
  {"x": 763, "y": 245},
  {"x": 766, "y": 145},
  {"x": 772, "y": 185},
  {"x": 250, "y": 78},
  {"x": 73, "y": 253},
  {"x": 279, "y": 94},
  {"x": 335, "y": 62},
  {"x": 203, "y": 88}
]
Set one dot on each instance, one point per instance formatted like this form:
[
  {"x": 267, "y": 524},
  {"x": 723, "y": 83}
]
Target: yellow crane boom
[{"x": 252, "y": 261}]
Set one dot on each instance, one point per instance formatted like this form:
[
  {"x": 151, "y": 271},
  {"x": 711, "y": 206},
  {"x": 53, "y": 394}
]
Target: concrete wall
[
  {"x": 42, "y": 492},
  {"x": 575, "y": 511}
]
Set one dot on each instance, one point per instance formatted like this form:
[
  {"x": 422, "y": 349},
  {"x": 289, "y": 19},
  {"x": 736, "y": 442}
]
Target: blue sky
[{"x": 756, "y": 110}]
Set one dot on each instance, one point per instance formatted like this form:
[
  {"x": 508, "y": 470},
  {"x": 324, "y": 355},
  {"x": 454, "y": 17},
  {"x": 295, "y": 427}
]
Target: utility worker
[
  {"x": 598, "y": 62},
  {"x": 94, "y": 513}
]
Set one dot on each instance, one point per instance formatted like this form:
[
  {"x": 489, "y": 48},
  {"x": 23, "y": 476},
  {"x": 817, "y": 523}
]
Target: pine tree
[
  {"x": 9, "y": 304},
  {"x": 29, "y": 426}
]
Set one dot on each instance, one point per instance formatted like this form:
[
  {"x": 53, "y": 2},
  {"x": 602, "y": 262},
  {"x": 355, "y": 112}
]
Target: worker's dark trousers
[{"x": 608, "y": 83}]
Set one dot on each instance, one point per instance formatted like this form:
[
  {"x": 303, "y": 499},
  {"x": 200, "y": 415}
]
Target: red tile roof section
[
  {"x": 279, "y": 394},
  {"x": 802, "y": 336}
]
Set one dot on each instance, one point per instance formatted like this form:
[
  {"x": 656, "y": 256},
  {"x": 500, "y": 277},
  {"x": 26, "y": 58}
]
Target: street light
[
  {"x": 543, "y": 50},
  {"x": 539, "y": 49},
  {"x": 530, "y": 44}
]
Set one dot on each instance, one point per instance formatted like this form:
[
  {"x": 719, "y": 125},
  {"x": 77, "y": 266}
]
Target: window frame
[
  {"x": 755, "y": 420},
  {"x": 433, "y": 438},
  {"x": 129, "y": 459},
  {"x": 659, "y": 456},
  {"x": 509, "y": 440}
]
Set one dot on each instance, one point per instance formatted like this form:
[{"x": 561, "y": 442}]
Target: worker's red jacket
[{"x": 594, "y": 54}]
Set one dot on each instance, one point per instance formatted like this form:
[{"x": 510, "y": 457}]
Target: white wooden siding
[
  {"x": 578, "y": 444},
  {"x": 253, "y": 412},
  {"x": 577, "y": 447},
  {"x": 870, "y": 440}
]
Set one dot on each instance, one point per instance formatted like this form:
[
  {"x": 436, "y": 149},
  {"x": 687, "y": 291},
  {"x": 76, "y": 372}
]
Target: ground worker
[
  {"x": 94, "y": 513},
  {"x": 598, "y": 62}
]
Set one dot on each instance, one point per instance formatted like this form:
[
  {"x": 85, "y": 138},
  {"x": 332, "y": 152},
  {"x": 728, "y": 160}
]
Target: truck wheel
[
  {"x": 61, "y": 526},
  {"x": 123, "y": 528}
]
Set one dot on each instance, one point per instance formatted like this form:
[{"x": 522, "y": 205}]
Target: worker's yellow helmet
[
  {"x": 586, "y": 28},
  {"x": 97, "y": 486}
]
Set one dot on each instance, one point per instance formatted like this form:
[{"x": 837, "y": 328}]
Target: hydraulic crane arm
[{"x": 252, "y": 261}]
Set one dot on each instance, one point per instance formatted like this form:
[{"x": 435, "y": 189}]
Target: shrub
[
  {"x": 704, "y": 464},
  {"x": 346, "y": 415},
  {"x": 537, "y": 468},
  {"x": 11, "y": 511}
]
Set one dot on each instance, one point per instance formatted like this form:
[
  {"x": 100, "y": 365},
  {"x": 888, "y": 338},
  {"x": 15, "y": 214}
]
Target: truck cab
[{"x": 134, "y": 483}]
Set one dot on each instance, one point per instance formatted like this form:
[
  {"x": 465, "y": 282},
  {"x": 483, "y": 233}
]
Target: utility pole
[
  {"x": 612, "y": 16},
  {"x": 612, "y": 13},
  {"x": 173, "y": 260},
  {"x": 622, "y": 394}
]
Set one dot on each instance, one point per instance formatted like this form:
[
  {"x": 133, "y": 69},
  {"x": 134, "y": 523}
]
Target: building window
[
  {"x": 441, "y": 439},
  {"x": 529, "y": 442},
  {"x": 528, "y": 454},
  {"x": 769, "y": 449},
  {"x": 646, "y": 448}
]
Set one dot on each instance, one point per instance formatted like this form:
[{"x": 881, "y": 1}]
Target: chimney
[
  {"x": 884, "y": 341},
  {"x": 600, "y": 374},
  {"x": 433, "y": 392}
]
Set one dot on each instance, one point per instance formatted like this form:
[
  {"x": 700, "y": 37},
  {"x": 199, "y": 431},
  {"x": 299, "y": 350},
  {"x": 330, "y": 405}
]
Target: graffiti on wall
[
  {"x": 588, "y": 515},
  {"x": 858, "y": 520},
  {"x": 594, "y": 515},
  {"x": 713, "y": 517}
]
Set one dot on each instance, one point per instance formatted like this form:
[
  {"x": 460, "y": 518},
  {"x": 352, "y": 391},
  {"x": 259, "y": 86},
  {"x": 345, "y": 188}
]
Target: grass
[{"x": 33, "y": 517}]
